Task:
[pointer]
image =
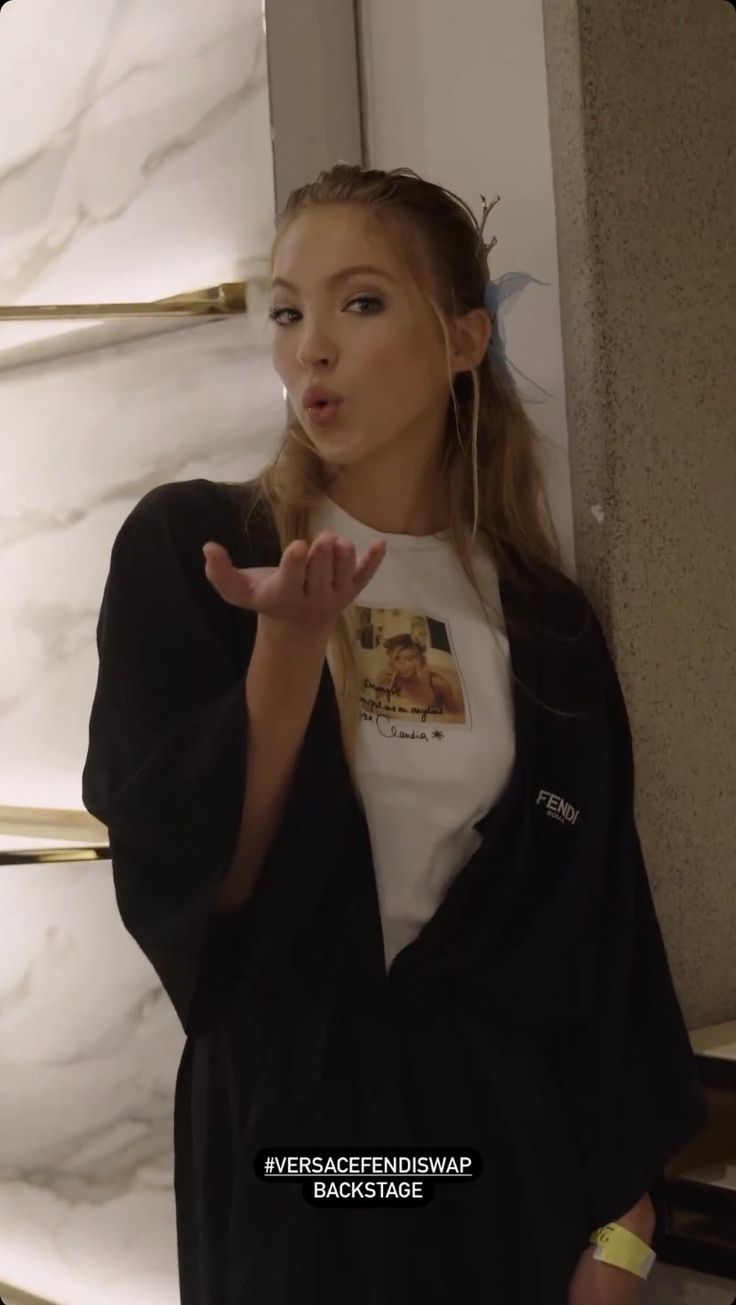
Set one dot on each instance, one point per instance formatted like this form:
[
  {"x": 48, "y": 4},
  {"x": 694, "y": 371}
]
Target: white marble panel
[
  {"x": 89, "y": 1046},
  {"x": 135, "y": 162},
  {"x": 91, "y": 435},
  {"x": 135, "y": 155}
]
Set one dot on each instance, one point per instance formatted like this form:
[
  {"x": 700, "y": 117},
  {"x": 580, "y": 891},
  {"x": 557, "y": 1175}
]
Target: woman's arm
[
  {"x": 641, "y": 1219},
  {"x": 280, "y": 689}
]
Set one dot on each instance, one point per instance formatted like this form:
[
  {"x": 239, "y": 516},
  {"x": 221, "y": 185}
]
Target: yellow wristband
[{"x": 616, "y": 1245}]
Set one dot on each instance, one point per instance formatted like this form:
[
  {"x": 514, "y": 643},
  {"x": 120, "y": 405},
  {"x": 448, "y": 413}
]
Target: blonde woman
[{"x": 404, "y": 937}]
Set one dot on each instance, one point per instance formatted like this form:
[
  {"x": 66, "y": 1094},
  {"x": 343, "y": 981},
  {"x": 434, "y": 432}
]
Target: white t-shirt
[{"x": 436, "y": 743}]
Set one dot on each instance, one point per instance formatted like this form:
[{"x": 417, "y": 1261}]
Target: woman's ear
[{"x": 474, "y": 334}]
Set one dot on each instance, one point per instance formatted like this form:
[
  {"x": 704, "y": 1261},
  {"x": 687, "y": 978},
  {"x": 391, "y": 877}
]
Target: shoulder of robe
[
  {"x": 557, "y": 609},
  {"x": 559, "y": 628},
  {"x": 158, "y": 549},
  {"x": 187, "y": 513},
  {"x": 226, "y": 512}
]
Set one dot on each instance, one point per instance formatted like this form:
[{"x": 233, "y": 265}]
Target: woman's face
[
  {"x": 404, "y": 663},
  {"x": 368, "y": 337}
]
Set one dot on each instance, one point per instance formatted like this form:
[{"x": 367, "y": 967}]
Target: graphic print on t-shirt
[{"x": 407, "y": 670}]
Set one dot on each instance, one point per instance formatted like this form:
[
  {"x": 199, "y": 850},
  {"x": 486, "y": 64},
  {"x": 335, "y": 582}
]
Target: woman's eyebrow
[{"x": 342, "y": 275}]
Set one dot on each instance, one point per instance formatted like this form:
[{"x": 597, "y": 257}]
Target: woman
[
  {"x": 408, "y": 676},
  {"x": 378, "y": 928}
]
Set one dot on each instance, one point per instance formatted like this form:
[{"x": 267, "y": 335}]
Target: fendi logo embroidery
[{"x": 557, "y": 807}]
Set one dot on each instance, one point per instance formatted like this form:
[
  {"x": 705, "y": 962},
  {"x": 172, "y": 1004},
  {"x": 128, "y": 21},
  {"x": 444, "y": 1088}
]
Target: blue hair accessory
[{"x": 498, "y": 297}]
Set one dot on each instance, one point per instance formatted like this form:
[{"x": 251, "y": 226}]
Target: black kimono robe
[{"x": 533, "y": 1018}]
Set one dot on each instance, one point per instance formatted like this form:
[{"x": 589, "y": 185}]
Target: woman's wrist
[{"x": 641, "y": 1220}]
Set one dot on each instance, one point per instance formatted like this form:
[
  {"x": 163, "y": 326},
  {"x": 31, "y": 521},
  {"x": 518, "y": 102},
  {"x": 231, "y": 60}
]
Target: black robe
[{"x": 533, "y": 1018}]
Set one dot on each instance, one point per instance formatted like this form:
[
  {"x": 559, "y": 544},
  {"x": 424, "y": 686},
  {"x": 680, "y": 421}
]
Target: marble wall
[
  {"x": 143, "y": 169},
  {"x": 135, "y": 163},
  {"x": 89, "y": 1044}
]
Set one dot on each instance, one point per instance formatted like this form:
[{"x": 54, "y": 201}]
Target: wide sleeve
[
  {"x": 165, "y": 767},
  {"x": 631, "y": 1070}
]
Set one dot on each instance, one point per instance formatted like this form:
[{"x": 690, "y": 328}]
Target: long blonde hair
[{"x": 490, "y": 461}]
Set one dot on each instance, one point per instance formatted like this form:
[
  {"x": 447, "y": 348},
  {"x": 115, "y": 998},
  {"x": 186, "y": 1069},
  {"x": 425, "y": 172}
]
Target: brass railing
[
  {"x": 19, "y": 1297},
  {"x": 216, "y": 300},
  {"x": 70, "y": 829}
]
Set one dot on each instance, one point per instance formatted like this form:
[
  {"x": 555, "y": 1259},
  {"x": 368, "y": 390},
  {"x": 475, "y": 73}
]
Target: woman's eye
[{"x": 275, "y": 313}]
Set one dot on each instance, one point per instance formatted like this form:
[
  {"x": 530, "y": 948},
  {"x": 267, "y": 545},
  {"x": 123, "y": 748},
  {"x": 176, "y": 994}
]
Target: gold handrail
[
  {"x": 51, "y": 822},
  {"x": 218, "y": 300},
  {"x": 10, "y": 1293}
]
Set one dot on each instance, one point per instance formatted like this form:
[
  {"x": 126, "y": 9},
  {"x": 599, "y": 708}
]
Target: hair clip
[{"x": 486, "y": 210}]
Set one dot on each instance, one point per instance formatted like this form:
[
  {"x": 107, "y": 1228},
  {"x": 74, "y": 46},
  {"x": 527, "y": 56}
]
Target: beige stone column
[{"x": 642, "y": 113}]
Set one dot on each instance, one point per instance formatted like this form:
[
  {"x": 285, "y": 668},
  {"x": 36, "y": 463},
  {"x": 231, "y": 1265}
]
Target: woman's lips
[{"x": 324, "y": 413}]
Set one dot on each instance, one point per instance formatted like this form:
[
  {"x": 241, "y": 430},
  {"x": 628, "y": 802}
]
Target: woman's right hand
[{"x": 308, "y": 589}]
